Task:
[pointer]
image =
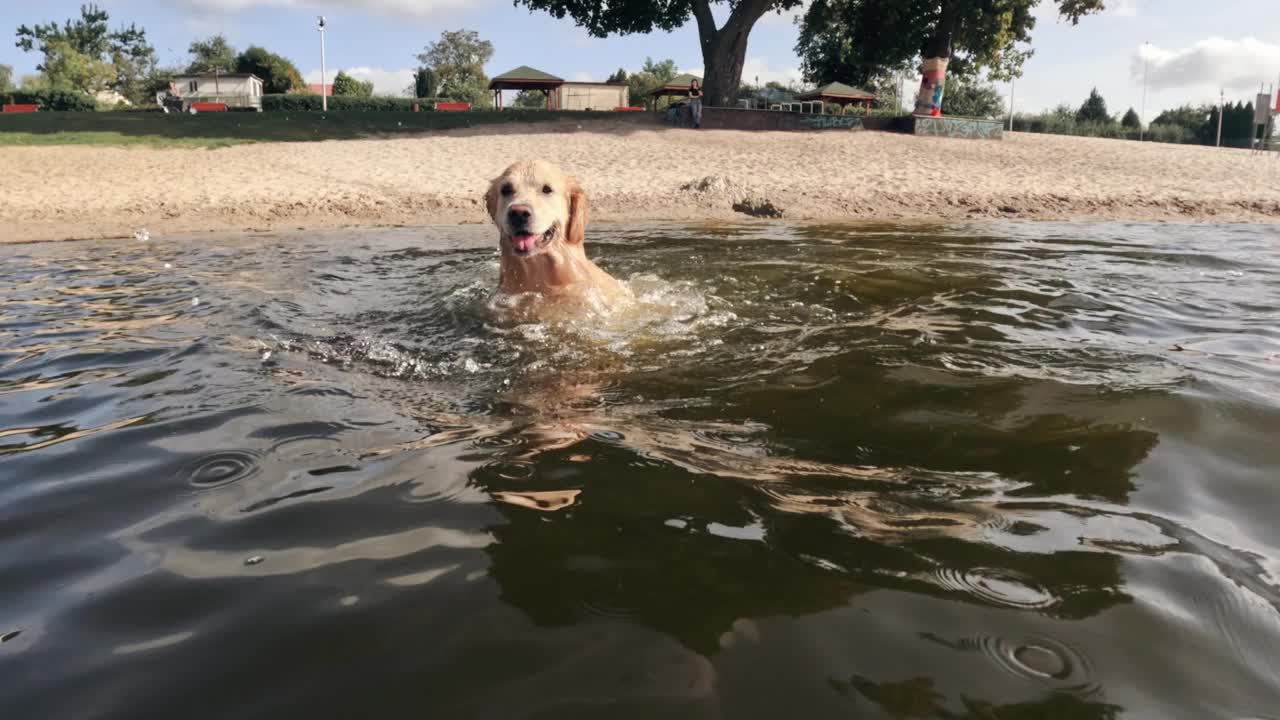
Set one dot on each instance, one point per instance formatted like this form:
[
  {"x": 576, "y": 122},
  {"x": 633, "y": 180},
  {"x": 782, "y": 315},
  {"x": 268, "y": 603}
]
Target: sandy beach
[{"x": 631, "y": 174}]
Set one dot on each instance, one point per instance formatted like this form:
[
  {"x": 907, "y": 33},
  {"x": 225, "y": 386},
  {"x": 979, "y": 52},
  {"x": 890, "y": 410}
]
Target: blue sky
[{"x": 1195, "y": 46}]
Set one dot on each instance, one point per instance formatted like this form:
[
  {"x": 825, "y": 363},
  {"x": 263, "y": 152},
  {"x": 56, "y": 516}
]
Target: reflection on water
[{"x": 1008, "y": 471}]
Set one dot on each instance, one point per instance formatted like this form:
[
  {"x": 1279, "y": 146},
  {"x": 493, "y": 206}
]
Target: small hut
[
  {"x": 525, "y": 78},
  {"x": 840, "y": 94},
  {"x": 677, "y": 86}
]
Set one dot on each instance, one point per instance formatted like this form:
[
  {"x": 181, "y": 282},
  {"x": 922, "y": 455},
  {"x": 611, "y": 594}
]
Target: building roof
[
  {"x": 677, "y": 84},
  {"x": 837, "y": 90},
  {"x": 318, "y": 89},
  {"x": 524, "y": 76},
  {"x": 216, "y": 75}
]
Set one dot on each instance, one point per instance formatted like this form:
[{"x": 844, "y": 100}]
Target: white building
[
  {"x": 591, "y": 96},
  {"x": 234, "y": 89}
]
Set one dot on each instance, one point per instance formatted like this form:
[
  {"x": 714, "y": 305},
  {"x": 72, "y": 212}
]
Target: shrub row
[
  {"x": 311, "y": 103},
  {"x": 49, "y": 99}
]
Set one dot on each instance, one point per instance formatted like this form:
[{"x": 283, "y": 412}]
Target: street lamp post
[
  {"x": 324, "y": 96},
  {"x": 1146, "y": 68}
]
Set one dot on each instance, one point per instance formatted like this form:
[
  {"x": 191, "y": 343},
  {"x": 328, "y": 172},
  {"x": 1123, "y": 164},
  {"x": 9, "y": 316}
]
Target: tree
[
  {"x": 970, "y": 97},
  {"x": 1131, "y": 120},
  {"x": 69, "y": 69},
  {"x": 424, "y": 83},
  {"x": 6, "y": 77},
  {"x": 212, "y": 55},
  {"x": 76, "y": 53},
  {"x": 724, "y": 48},
  {"x": 856, "y": 41},
  {"x": 652, "y": 75},
  {"x": 530, "y": 99},
  {"x": 618, "y": 77},
  {"x": 278, "y": 74},
  {"x": 458, "y": 59},
  {"x": 1094, "y": 109},
  {"x": 344, "y": 84}
]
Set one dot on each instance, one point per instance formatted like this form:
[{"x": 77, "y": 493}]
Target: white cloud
[
  {"x": 385, "y": 82},
  {"x": 1123, "y": 8},
  {"x": 1211, "y": 63},
  {"x": 758, "y": 67},
  {"x": 420, "y": 9}
]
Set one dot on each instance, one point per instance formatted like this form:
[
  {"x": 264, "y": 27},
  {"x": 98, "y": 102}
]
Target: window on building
[{"x": 194, "y": 86}]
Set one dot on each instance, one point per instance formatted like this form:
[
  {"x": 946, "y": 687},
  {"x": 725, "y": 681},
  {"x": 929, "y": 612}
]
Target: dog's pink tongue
[{"x": 523, "y": 242}]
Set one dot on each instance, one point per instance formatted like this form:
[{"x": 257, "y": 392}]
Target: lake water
[{"x": 990, "y": 471}]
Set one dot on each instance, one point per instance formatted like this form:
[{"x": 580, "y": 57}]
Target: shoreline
[{"x": 630, "y": 176}]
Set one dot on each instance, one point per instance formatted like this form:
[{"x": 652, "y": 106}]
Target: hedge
[
  {"x": 48, "y": 99},
  {"x": 298, "y": 102}
]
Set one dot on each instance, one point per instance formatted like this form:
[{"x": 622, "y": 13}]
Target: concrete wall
[
  {"x": 743, "y": 119},
  {"x": 958, "y": 127}
]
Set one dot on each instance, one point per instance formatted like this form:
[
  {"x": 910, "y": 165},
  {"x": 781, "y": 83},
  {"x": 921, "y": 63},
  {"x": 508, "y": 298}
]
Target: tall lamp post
[
  {"x": 324, "y": 96},
  {"x": 1146, "y": 68}
]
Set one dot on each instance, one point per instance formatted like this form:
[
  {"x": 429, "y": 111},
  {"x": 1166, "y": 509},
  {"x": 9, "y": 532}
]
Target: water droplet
[
  {"x": 471, "y": 365},
  {"x": 1043, "y": 660},
  {"x": 167, "y": 266},
  {"x": 253, "y": 560},
  {"x": 142, "y": 235},
  {"x": 998, "y": 586},
  {"x": 266, "y": 355},
  {"x": 349, "y": 600},
  {"x": 221, "y": 468},
  {"x": 10, "y": 635},
  {"x": 195, "y": 301}
]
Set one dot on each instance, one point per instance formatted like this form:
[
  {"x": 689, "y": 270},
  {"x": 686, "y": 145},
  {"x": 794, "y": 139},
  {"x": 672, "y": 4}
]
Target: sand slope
[{"x": 631, "y": 174}]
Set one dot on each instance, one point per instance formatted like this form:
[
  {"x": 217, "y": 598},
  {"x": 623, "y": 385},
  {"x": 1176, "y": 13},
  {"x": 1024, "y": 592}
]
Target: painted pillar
[{"x": 933, "y": 79}]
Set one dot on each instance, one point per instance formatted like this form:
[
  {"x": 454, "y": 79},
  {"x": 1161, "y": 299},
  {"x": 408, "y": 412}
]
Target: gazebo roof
[
  {"x": 837, "y": 90},
  {"x": 524, "y": 77},
  {"x": 677, "y": 84}
]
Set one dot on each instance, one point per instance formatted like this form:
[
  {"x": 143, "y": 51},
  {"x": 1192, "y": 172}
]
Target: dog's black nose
[{"x": 519, "y": 214}]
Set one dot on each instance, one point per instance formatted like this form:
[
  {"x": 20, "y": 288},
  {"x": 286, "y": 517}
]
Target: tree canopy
[
  {"x": 530, "y": 99},
  {"x": 278, "y": 74},
  {"x": 723, "y": 48},
  {"x": 971, "y": 97},
  {"x": 84, "y": 54},
  {"x": 457, "y": 60},
  {"x": 344, "y": 84},
  {"x": 424, "y": 83},
  {"x": 1131, "y": 119},
  {"x": 6, "y": 77},
  {"x": 212, "y": 54},
  {"x": 1094, "y": 109},
  {"x": 855, "y": 41}
]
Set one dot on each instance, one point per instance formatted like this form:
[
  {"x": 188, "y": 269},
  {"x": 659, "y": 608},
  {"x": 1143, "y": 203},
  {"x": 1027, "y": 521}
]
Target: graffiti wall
[
  {"x": 957, "y": 127},
  {"x": 933, "y": 81},
  {"x": 830, "y": 122}
]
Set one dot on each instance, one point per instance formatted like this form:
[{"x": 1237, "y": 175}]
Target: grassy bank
[{"x": 215, "y": 130}]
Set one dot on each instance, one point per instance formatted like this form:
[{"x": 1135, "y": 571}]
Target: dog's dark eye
[
  {"x": 507, "y": 189},
  {"x": 546, "y": 189}
]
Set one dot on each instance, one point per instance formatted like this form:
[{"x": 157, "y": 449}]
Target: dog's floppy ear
[
  {"x": 577, "y": 230},
  {"x": 491, "y": 197}
]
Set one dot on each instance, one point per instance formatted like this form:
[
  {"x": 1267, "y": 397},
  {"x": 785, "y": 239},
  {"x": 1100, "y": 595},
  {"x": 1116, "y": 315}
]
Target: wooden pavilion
[
  {"x": 840, "y": 94},
  {"x": 525, "y": 78},
  {"x": 677, "y": 86}
]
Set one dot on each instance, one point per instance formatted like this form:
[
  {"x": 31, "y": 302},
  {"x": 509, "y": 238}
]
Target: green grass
[{"x": 214, "y": 130}]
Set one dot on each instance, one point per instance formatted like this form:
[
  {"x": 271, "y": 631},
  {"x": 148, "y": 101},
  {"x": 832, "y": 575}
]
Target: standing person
[{"x": 695, "y": 102}]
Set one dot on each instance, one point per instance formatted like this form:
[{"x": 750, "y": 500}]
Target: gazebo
[
  {"x": 677, "y": 86},
  {"x": 524, "y": 78},
  {"x": 840, "y": 94}
]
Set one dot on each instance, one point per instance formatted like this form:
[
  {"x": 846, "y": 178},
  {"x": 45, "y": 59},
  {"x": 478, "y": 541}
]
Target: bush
[
  {"x": 297, "y": 102},
  {"x": 50, "y": 99}
]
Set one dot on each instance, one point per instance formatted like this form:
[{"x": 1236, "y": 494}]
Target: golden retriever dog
[{"x": 541, "y": 214}]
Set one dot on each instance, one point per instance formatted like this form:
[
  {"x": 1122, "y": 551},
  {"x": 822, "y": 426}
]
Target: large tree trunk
[
  {"x": 724, "y": 50},
  {"x": 933, "y": 71}
]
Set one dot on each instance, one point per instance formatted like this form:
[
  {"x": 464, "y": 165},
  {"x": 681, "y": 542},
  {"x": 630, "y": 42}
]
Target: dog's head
[{"x": 535, "y": 206}]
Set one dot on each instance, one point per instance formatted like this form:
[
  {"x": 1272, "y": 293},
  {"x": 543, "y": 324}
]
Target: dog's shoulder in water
[{"x": 541, "y": 215}]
